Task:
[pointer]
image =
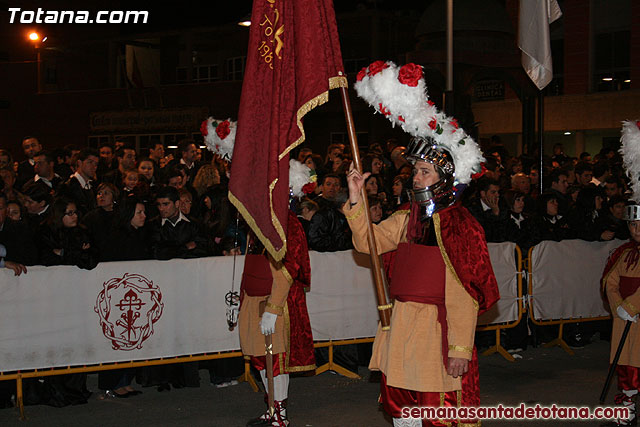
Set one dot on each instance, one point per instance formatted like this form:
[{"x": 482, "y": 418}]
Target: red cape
[
  {"x": 296, "y": 261},
  {"x": 613, "y": 258}
]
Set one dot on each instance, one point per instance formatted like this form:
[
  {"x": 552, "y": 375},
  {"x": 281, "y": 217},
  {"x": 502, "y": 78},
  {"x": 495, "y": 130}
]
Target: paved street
[{"x": 542, "y": 376}]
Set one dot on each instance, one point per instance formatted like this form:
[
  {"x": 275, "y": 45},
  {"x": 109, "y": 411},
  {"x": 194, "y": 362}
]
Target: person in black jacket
[
  {"x": 63, "y": 241},
  {"x": 37, "y": 201},
  {"x": 31, "y": 146},
  {"x": 585, "y": 219},
  {"x": 488, "y": 210},
  {"x": 17, "y": 238},
  {"x": 518, "y": 226},
  {"x": 99, "y": 220},
  {"x": 174, "y": 235},
  {"x": 79, "y": 187},
  {"x": 127, "y": 240},
  {"x": 328, "y": 228},
  {"x": 548, "y": 223},
  {"x": 613, "y": 220}
]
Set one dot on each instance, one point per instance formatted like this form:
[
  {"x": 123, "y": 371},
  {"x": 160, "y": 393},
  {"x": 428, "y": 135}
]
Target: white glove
[
  {"x": 268, "y": 323},
  {"x": 622, "y": 313}
]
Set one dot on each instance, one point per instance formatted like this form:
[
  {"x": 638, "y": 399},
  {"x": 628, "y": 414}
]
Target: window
[
  {"x": 94, "y": 141},
  {"x": 201, "y": 74},
  {"x": 235, "y": 67},
  {"x": 612, "y": 57}
]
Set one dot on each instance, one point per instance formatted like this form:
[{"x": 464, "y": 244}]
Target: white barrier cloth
[
  {"x": 503, "y": 261},
  {"x": 137, "y": 310},
  {"x": 566, "y": 278},
  {"x": 121, "y": 311}
]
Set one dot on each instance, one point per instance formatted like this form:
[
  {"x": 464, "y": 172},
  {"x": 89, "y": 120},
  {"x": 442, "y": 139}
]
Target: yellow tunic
[
  {"x": 410, "y": 353},
  {"x": 251, "y": 339},
  {"x": 631, "y": 351}
]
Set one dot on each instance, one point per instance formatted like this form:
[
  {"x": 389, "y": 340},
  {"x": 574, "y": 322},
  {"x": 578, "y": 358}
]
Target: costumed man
[
  {"x": 274, "y": 303},
  {"x": 435, "y": 253},
  {"x": 621, "y": 285},
  {"x": 272, "y": 294}
]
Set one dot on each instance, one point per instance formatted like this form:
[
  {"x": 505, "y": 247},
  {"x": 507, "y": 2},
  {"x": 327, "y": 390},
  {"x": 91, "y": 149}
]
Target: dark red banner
[{"x": 293, "y": 60}]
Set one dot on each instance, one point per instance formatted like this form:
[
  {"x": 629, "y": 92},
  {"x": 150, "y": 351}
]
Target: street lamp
[{"x": 34, "y": 37}]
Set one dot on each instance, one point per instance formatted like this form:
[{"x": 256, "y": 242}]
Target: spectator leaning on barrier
[
  {"x": 16, "y": 237},
  {"x": 173, "y": 234}
]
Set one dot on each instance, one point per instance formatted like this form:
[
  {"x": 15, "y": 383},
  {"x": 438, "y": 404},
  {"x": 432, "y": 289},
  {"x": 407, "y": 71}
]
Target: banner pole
[{"x": 384, "y": 308}]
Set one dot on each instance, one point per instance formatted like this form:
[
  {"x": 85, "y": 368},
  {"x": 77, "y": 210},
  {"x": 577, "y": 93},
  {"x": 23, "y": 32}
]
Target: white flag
[{"x": 534, "y": 39}]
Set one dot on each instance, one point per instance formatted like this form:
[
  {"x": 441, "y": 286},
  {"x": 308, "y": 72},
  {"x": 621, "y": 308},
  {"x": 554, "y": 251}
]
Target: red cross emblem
[{"x": 137, "y": 307}]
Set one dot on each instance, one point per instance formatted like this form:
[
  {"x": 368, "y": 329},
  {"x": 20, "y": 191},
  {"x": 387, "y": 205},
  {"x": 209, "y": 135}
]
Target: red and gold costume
[
  {"x": 438, "y": 292},
  {"x": 281, "y": 287},
  {"x": 621, "y": 285}
]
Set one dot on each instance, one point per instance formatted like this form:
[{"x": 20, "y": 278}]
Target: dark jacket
[
  {"x": 26, "y": 172},
  {"x": 98, "y": 223},
  {"x": 19, "y": 241},
  {"x": 328, "y": 229},
  {"x": 71, "y": 241},
  {"x": 127, "y": 244},
  {"x": 547, "y": 229},
  {"x": 168, "y": 240},
  {"x": 493, "y": 225},
  {"x": 84, "y": 199}
]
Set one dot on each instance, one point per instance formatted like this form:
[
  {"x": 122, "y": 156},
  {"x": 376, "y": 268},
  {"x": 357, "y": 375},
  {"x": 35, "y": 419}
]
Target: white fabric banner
[
  {"x": 534, "y": 39},
  {"x": 503, "y": 261},
  {"x": 121, "y": 311},
  {"x": 566, "y": 278}
]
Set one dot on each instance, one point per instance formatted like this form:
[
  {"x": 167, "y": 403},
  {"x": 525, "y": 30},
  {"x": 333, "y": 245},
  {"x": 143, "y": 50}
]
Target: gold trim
[
  {"x": 461, "y": 349},
  {"x": 631, "y": 306},
  {"x": 478, "y": 424},
  {"x": 286, "y": 274},
  {"x": 401, "y": 211},
  {"x": 357, "y": 213},
  {"x": 386, "y": 328},
  {"x": 334, "y": 82},
  {"x": 287, "y": 347},
  {"x": 276, "y": 255},
  {"x": 385, "y": 307},
  {"x": 274, "y": 307},
  {"x": 339, "y": 81},
  {"x": 447, "y": 261}
]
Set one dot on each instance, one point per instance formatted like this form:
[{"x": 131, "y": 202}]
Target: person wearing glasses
[{"x": 63, "y": 241}]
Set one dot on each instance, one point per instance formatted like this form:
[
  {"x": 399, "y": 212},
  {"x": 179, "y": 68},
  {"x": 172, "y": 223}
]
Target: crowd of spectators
[{"x": 80, "y": 206}]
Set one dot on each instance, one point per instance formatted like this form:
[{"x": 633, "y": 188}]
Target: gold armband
[
  {"x": 461, "y": 349},
  {"x": 384, "y": 307},
  {"x": 276, "y": 308},
  {"x": 356, "y": 213}
]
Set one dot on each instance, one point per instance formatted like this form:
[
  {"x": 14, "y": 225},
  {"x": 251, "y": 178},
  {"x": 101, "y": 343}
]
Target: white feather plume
[
  {"x": 299, "y": 176},
  {"x": 409, "y": 107},
  {"x": 630, "y": 151},
  {"x": 223, "y": 147}
]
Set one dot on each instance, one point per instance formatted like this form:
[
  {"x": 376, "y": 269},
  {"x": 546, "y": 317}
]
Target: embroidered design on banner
[{"x": 127, "y": 309}]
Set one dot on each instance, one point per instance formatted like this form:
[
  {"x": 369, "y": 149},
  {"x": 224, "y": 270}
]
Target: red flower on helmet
[
  {"x": 384, "y": 110},
  {"x": 223, "y": 129},
  {"x": 410, "y": 74},
  {"x": 454, "y": 123},
  {"x": 401, "y": 119},
  {"x": 430, "y": 102},
  {"x": 361, "y": 74},
  {"x": 376, "y": 67},
  {"x": 433, "y": 124},
  {"x": 204, "y": 129},
  {"x": 309, "y": 188},
  {"x": 638, "y": 124}
]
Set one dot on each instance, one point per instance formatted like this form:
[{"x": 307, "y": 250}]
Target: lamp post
[{"x": 35, "y": 39}]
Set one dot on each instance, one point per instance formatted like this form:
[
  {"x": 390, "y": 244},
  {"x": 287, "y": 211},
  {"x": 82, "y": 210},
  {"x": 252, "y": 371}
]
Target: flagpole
[{"x": 384, "y": 308}]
